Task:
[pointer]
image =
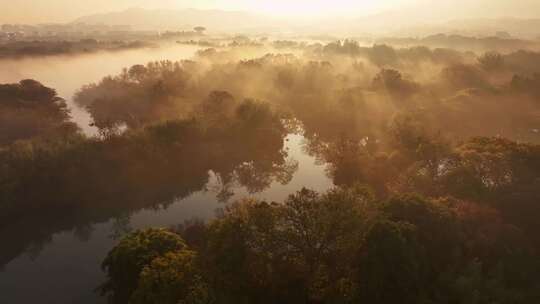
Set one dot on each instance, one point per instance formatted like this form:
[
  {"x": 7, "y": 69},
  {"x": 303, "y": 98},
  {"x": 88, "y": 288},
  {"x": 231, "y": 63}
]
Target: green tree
[
  {"x": 171, "y": 279},
  {"x": 128, "y": 259},
  {"x": 392, "y": 266},
  {"x": 260, "y": 252}
]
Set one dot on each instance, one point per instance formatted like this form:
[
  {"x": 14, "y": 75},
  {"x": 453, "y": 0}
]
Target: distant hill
[
  {"x": 456, "y": 17},
  {"x": 414, "y": 21},
  {"x": 477, "y": 27},
  {"x": 526, "y": 28},
  {"x": 215, "y": 20}
]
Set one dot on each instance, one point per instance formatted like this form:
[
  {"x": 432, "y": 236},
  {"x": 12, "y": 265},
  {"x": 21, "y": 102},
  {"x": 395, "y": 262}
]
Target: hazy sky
[
  {"x": 36, "y": 11},
  {"x": 66, "y": 10}
]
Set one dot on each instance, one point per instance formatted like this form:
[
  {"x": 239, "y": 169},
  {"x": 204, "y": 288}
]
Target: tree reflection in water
[{"x": 77, "y": 182}]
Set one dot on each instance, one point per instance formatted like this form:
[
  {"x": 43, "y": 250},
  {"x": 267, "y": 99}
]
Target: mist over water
[
  {"x": 74, "y": 260},
  {"x": 67, "y": 74},
  {"x": 280, "y": 164},
  {"x": 77, "y": 253}
]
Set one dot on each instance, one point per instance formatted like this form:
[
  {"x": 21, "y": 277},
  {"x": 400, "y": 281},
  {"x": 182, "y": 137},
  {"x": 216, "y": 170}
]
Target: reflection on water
[
  {"x": 69, "y": 246},
  {"x": 74, "y": 255}
]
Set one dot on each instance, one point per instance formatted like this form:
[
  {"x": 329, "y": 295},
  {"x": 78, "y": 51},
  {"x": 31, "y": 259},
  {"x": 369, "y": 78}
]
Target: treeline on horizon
[
  {"x": 72, "y": 45},
  {"x": 503, "y": 42},
  {"x": 24, "y": 49},
  {"x": 444, "y": 145}
]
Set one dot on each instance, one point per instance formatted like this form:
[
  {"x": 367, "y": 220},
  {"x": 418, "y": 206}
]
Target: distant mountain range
[{"x": 396, "y": 23}]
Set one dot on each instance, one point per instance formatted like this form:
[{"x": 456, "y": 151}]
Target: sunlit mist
[{"x": 271, "y": 151}]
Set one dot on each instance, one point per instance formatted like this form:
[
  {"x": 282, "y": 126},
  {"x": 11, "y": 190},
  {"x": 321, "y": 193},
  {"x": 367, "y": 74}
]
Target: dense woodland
[{"x": 434, "y": 154}]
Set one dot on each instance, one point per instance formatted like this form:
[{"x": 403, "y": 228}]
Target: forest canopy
[
  {"x": 434, "y": 155},
  {"x": 343, "y": 246},
  {"x": 452, "y": 92}
]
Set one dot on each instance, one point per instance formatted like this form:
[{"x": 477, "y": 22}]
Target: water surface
[{"x": 62, "y": 264}]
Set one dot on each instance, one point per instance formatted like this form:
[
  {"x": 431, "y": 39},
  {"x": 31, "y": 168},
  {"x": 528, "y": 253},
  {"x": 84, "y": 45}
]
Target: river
[{"x": 65, "y": 268}]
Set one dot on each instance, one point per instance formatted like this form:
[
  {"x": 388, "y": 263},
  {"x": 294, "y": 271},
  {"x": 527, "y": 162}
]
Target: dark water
[
  {"x": 53, "y": 259},
  {"x": 66, "y": 268}
]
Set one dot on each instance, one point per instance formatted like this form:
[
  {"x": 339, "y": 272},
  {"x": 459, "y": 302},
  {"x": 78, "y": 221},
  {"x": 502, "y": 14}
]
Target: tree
[
  {"x": 171, "y": 279},
  {"x": 317, "y": 229},
  {"x": 125, "y": 262},
  {"x": 491, "y": 61},
  {"x": 391, "y": 266},
  {"x": 199, "y": 29},
  {"x": 29, "y": 109},
  {"x": 138, "y": 96},
  {"x": 392, "y": 81},
  {"x": 411, "y": 254},
  {"x": 268, "y": 253},
  {"x": 383, "y": 55},
  {"x": 463, "y": 76}
]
